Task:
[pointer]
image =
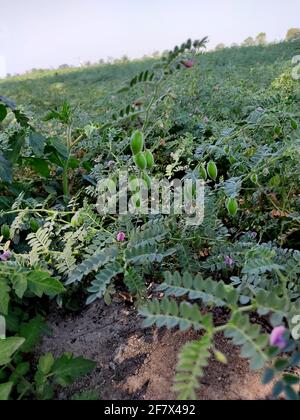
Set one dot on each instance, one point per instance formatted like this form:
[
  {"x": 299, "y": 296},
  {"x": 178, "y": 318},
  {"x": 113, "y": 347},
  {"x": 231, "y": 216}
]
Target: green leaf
[
  {"x": 12, "y": 321},
  {"x": 268, "y": 376},
  {"x": 281, "y": 364},
  {"x": 73, "y": 163},
  {"x": 5, "y": 170},
  {"x": 278, "y": 388},
  {"x": 42, "y": 283},
  {"x": 295, "y": 359},
  {"x": 22, "y": 119},
  {"x": 52, "y": 115},
  {"x": 232, "y": 187},
  {"x": 37, "y": 143},
  {"x": 294, "y": 124},
  {"x": 60, "y": 147},
  {"x": 149, "y": 234},
  {"x": 270, "y": 302},
  {"x": 32, "y": 332},
  {"x": 291, "y": 379},
  {"x": 44, "y": 390},
  {"x": 16, "y": 144},
  {"x": 3, "y": 112},
  {"x": 93, "y": 263},
  {"x": 8, "y": 347},
  {"x": 22, "y": 368},
  {"x": 260, "y": 260},
  {"x": 67, "y": 369},
  {"x": 291, "y": 394},
  {"x": 4, "y": 296},
  {"x": 195, "y": 287},
  {"x": 102, "y": 281},
  {"x": 19, "y": 283},
  {"x": 143, "y": 254},
  {"x": 249, "y": 337},
  {"x": 38, "y": 165},
  {"x": 45, "y": 363},
  {"x": 167, "y": 313},
  {"x": 5, "y": 390},
  {"x": 193, "y": 358},
  {"x": 135, "y": 283}
]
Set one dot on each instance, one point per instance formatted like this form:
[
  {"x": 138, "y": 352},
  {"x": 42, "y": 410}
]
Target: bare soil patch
[{"x": 135, "y": 364}]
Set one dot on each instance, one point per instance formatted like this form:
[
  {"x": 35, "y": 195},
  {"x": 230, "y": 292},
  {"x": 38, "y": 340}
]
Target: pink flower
[
  {"x": 277, "y": 338},
  {"x": 228, "y": 261},
  {"x": 188, "y": 63},
  {"x": 5, "y": 256},
  {"x": 121, "y": 237},
  {"x": 253, "y": 235}
]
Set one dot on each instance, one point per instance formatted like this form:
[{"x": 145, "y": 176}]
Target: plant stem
[
  {"x": 66, "y": 189},
  {"x": 66, "y": 183},
  {"x": 27, "y": 383},
  {"x": 39, "y": 211},
  {"x": 150, "y": 105}
]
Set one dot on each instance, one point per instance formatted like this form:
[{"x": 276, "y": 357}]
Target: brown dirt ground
[{"x": 136, "y": 364}]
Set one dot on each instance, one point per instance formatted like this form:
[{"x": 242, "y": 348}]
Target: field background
[{"x": 244, "y": 74}]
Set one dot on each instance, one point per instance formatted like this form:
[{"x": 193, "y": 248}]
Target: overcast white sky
[{"x": 46, "y": 33}]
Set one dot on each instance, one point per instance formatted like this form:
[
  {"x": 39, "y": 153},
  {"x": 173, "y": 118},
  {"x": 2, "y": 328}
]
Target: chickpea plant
[{"x": 185, "y": 115}]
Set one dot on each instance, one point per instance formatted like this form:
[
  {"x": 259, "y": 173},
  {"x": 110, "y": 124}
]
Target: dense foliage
[{"x": 230, "y": 118}]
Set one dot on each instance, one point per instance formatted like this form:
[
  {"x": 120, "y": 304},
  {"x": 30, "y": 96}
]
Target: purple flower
[
  {"x": 253, "y": 235},
  {"x": 188, "y": 63},
  {"x": 228, "y": 261},
  {"x": 121, "y": 237},
  {"x": 111, "y": 164},
  {"x": 206, "y": 120},
  {"x": 5, "y": 256},
  {"x": 277, "y": 338}
]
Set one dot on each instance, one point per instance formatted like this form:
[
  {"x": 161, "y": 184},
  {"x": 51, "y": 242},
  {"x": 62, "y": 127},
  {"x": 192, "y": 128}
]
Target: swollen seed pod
[
  {"x": 212, "y": 170},
  {"x": 188, "y": 192},
  {"x": 202, "y": 172},
  {"x": 254, "y": 178},
  {"x": 232, "y": 206},
  {"x": 278, "y": 130},
  {"x": 147, "y": 180},
  {"x": 140, "y": 161},
  {"x": 5, "y": 231},
  {"x": 150, "y": 159},
  {"x": 134, "y": 183},
  {"x": 294, "y": 125},
  {"x": 77, "y": 219},
  {"x": 137, "y": 142},
  {"x": 194, "y": 189},
  {"x": 34, "y": 225}
]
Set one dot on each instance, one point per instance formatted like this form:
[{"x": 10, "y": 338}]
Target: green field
[
  {"x": 230, "y": 119},
  {"x": 241, "y": 71}
]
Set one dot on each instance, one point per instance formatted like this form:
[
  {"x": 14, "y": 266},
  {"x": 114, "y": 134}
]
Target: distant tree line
[{"x": 293, "y": 34}]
